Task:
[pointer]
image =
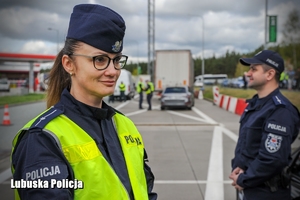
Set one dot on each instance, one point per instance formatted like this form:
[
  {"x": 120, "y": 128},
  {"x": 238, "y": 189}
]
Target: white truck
[
  {"x": 127, "y": 79},
  {"x": 173, "y": 68}
]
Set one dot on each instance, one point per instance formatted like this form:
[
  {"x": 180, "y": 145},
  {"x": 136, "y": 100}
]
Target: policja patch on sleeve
[{"x": 273, "y": 143}]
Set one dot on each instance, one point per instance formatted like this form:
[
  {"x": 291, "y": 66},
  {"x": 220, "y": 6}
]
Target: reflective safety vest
[
  {"x": 151, "y": 88},
  {"x": 122, "y": 87},
  {"x": 88, "y": 164},
  {"x": 139, "y": 87},
  {"x": 283, "y": 76}
]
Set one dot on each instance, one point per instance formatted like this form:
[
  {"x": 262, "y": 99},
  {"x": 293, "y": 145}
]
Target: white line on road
[
  {"x": 122, "y": 105},
  {"x": 204, "y": 116},
  {"x": 215, "y": 168},
  {"x": 136, "y": 112},
  {"x": 227, "y": 132},
  {"x": 230, "y": 134},
  {"x": 187, "y": 116}
]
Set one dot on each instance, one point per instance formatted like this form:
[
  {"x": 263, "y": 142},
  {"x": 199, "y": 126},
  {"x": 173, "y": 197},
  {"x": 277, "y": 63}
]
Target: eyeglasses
[{"x": 101, "y": 62}]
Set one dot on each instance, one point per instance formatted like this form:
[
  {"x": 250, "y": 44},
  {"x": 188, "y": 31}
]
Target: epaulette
[
  {"x": 278, "y": 101},
  {"x": 47, "y": 116}
]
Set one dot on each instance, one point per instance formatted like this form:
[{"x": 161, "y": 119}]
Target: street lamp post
[
  {"x": 57, "y": 37},
  {"x": 266, "y": 25},
  {"x": 137, "y": 44},
  {"x": 203, "y": 65}
]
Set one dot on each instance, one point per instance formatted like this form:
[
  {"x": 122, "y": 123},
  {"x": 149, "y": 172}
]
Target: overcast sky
[{"x": 237, "y": 25}]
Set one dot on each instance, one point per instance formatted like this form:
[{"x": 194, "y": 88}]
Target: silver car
[{"x": 177, "y": 96}]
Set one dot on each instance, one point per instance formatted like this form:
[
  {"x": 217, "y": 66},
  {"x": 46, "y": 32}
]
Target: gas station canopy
[
  {"x": 36, "y": 58},
  {"x": 28, "y": 58}
]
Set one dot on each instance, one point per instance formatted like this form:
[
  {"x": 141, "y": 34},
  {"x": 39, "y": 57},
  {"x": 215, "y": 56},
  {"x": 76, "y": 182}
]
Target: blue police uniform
[
  {"x": 37, "y": 151},
  {"x": 268, "y": 127}
]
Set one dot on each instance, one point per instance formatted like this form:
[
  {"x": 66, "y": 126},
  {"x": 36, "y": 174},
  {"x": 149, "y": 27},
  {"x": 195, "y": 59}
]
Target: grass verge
[
  {"x": 293, "y": 96},
  {"x": 18, "y": 99}
]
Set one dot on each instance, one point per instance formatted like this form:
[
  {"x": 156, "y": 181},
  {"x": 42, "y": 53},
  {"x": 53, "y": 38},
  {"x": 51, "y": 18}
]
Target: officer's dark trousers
[
  {"x": 111, "y": 98},
  {"x": 141, "y": 101},
  {"x": 149, "y": 97},
  {"x": 122, "y": 96},
  {"x": 263, "y": 193}
]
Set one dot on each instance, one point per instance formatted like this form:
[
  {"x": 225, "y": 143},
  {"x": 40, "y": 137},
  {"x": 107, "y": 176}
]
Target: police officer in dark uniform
[
  {"x": 79, "y": 137},
  {"x": 268, "y": 127}
]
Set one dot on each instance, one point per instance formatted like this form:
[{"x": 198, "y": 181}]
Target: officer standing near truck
[
  {"x": 149, "y": 92},
  {"x": 140, "y": 90},
  {"x": 268, "y": 127}
]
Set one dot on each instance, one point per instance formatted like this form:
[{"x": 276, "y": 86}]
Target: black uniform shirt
[{"x": 268, "y": 127}]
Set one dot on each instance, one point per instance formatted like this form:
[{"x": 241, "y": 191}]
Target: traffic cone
[{"x": 6, "y": 119}]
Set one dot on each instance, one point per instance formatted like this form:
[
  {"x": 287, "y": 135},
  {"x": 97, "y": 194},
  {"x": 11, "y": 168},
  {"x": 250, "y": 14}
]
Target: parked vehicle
[
  {"x": 4, "y": 85},
  {"x": 238, "y": 82},
  {"x": 173, "y": 68},
  {"x": 126, "y": 78},
  {"x": 181, "y": 97},
  {"x": 210, "y": 79},
  {"x": 226, "y": 82}
]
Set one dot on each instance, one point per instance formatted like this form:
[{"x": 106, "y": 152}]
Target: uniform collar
[
  {"x": 106, "y": 112},
  {"x": 257, "y": 103}
]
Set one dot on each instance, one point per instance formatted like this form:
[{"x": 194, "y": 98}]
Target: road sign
[
  {"x": 139, "y": 70},
  {"x": 272, "y": 28}
]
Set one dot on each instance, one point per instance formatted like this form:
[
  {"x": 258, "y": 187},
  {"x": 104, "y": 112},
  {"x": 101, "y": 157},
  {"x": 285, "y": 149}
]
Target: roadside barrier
[
  {"x": 200, "y": 94},
  {"x": 6, "y": 119},
  {"x": 231, "y": 104},
  {"x": 216, "y": 94}
]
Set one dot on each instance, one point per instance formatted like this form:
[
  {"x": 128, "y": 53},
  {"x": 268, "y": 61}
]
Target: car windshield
[{"x": 175, "y": 90}]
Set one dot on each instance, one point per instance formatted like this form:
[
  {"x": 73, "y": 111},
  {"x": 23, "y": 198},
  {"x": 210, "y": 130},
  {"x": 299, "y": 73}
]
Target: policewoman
[
  {"x": 268, "y": 127},
  {"x": 80, "y": 138}
]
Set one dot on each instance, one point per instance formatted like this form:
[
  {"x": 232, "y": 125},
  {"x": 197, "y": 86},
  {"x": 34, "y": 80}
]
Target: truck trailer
[{"x": 173, "y": 68}]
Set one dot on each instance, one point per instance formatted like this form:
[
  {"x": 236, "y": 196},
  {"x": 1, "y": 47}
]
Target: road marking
[
  {"x": 227, "y": 132},
  {"x": 122, "y": 105},
  {"x": 154, "y": 107},
  {"x": 187, "y": 116},
  {"x": 230, "y": 134},
  {"x": 5, "y": 175},
  {"x": 215, "y": 167},
  {"x": 136, "y": 112},
  {"x": 204, "y": 116}
]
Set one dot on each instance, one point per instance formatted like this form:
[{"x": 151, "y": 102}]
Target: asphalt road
[{"x": 189, "y": 150}]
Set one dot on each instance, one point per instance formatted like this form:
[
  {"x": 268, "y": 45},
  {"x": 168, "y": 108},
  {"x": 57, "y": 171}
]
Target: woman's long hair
[{"x": 58, "y": 78}]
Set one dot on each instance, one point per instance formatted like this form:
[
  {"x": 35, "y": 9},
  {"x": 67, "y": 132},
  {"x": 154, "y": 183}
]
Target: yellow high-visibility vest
[
  {"x": 122, "y": 87},
  {"x": 151, "y": 88},
  {"x": 89, "y": 165}
]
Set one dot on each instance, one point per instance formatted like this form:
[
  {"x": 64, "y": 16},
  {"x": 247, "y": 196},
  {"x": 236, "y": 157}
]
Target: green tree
[
  {"x": 132, "y": 67},
  {"x": 291, "y": 33}
]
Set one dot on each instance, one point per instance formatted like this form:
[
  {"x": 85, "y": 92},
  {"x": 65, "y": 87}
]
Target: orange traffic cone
[{"x": 6, "y": 119}]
